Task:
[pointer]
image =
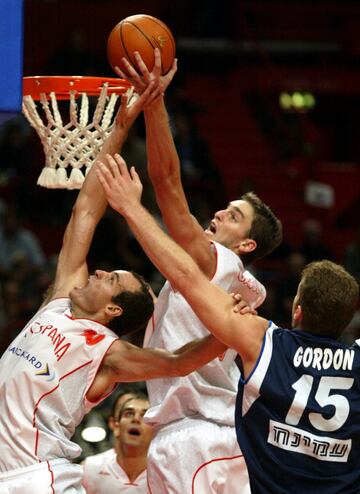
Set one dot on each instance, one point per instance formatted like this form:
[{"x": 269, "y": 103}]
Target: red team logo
[{"x": 91, "y": 337}]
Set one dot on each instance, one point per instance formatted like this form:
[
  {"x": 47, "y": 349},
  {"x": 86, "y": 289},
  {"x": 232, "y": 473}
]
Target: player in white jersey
[
  {"x": 69, "y": 356},
  {"x": 297, "y": 412},
  {"x": 183, "y": 410},
  {"x": 122, "y": 468}
]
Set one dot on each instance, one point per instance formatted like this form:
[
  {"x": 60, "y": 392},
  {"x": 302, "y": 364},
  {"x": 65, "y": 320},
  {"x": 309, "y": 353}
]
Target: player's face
[
  {"x": 130, "y": 430},
  {"x": 120, "y": 402},
  {"x": 101, "y": 287},
  {"x": 230, "y": 226}
]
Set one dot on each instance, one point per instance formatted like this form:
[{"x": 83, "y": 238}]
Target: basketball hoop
[{"x": 71, "y": 146}]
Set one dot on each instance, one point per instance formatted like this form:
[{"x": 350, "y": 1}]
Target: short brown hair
[
  {"x": 137, "y": 306},
  {"x": 328, "y": 296},
  {"x": 266, "y": 229}
]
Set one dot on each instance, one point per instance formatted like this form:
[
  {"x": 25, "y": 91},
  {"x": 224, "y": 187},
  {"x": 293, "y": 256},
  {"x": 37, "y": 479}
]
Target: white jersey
[
  {"x": 44, "y": 377},
  {"x": 209, "y": 392},
  {"x": 103, "y": 475},
  {"x": 194, "y": 456}
]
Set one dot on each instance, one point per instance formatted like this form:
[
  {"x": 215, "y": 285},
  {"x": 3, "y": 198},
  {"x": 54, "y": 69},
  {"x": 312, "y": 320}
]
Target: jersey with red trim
[
  {"x": 44, "y": 376},
  {"x": 210, "y": 392},
  {"x": 103, "y": 475}
]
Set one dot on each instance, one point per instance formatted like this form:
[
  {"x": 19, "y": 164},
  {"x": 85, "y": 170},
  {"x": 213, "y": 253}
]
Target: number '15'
[{"x": 303, "y": 387}]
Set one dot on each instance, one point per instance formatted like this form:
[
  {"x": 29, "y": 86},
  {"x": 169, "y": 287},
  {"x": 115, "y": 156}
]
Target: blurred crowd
[
  {"x": 32, "y": 219},
  {"x": 32, "y": 223}
]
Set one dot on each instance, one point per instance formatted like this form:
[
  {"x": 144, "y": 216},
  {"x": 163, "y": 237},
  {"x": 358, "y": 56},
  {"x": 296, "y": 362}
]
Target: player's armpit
[{"x": 48, "y": 295}]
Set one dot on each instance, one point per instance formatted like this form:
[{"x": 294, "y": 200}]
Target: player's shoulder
[
  {"x": 224, "y": 252},
  {"x": 57, "y": 304},
  {"x": 99, "y": 459},
  {"x": 281, "y": 337},
  {"x": 117, "y": 346},
  {"x": 114, "y": 354},
  {"x": 356, "y": 344},
  {"x": 227, "y": 263}
]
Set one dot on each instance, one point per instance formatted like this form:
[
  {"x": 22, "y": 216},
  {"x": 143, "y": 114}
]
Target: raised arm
[
  {"x": 212, "y": 305},
  {"x": 90, "y": 207},
  {"x": 164, "y": 168},
  {"x": 164, "y": 171}
]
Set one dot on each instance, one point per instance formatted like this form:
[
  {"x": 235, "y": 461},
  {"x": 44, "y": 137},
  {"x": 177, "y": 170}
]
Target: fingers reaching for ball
[
  {"x": 141, "y": 78},
  {"x": 131, "y": 105}
]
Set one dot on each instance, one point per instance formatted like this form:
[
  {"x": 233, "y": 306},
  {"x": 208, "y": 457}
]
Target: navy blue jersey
[{"x": 298, "y": 415}]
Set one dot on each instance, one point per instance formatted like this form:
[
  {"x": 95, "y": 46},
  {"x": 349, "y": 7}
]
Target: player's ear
[
  {"x": 246, "y": 245},
  {"x": 111, "y": 422},
  {"x": 298, "y": 314},
  {"x": 113, "y": 310}
]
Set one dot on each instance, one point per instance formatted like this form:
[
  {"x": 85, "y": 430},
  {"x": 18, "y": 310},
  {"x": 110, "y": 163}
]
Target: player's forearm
[
  {"x": 167, "y": 256},
  {"x": 77, "y": 239},
  {"x": 92, "y": 197},
  {"x": 140, "y": 364},
  {"x": 91, "y": 203},
  {"x": 115, "y": 140},
  {"x": 112, "y": 145},
  {"x": 163, "y": 160},
  {"x": 195, "y": 354},
  {"x": 198, "y": 353}
]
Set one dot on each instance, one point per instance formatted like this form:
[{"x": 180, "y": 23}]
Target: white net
[{"x": 71, "y": 148}]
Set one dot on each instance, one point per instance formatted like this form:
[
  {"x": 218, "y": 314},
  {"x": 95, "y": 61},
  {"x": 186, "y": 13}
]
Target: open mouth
[
  {"x": 212, "y": 227},
  {"x": 134, "y": 432}
]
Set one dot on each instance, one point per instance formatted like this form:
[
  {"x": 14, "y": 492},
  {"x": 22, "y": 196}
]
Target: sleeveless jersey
[
  {"x": 44, "y": 377},
  {"x": 210, "y": 392},
  {"x": 298, "y": 415},
  {"x": 103, "y": 475}
]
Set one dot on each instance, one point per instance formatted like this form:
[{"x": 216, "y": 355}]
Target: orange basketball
[{"x": 141, "y": 33}]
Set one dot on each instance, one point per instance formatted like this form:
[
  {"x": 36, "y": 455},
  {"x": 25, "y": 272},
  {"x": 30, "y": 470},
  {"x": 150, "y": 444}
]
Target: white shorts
[
  {"x": 49, "y": 477},
  {"x": 196, "y": 457}
]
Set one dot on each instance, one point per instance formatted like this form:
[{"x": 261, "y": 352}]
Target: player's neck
[
  {"x": 132, "y": 465},
  {"x": 78, "y": 313}
]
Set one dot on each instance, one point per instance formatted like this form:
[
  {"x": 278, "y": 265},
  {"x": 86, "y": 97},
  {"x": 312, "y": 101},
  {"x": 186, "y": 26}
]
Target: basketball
[{"x": 141, "y": 33}]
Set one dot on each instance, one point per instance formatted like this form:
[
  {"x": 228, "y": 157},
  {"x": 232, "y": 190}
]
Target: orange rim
[{"x": 62, "y": 85}]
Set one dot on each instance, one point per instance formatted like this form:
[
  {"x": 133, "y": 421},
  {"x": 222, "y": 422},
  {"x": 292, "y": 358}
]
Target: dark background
[{"x": 235, "y": 59}]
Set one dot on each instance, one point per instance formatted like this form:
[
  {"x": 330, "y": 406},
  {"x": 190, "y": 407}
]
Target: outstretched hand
[
  {"x": 123, "y": 189},
  {"x": 127, "y": 113},
  {"x": 241, "y": 306},
  {"x": 145, "y": 78}
]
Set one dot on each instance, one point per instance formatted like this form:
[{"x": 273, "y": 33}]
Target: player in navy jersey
[{"x": 298, "y": 405}]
